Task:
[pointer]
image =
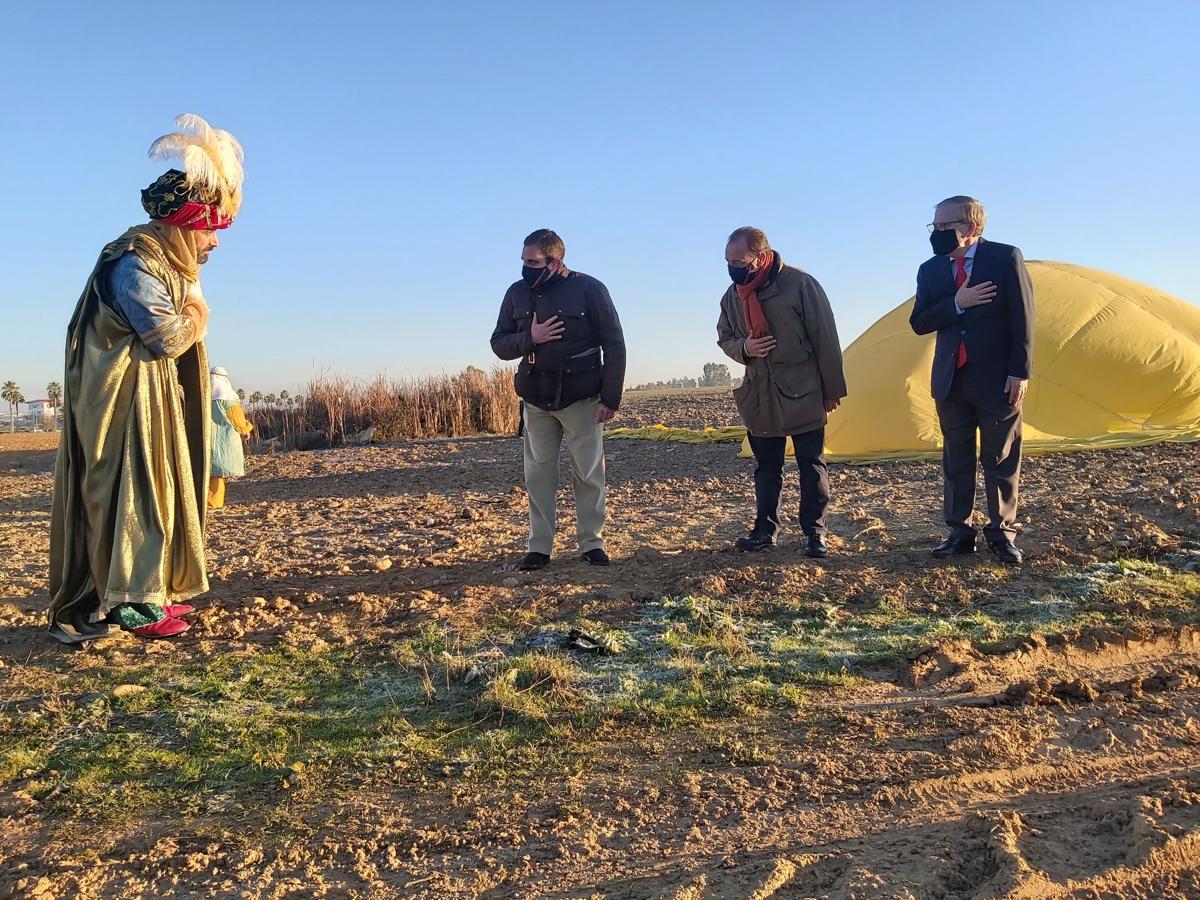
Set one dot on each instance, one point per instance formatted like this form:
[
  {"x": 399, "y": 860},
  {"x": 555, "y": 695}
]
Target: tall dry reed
[{"x": 336, "y": 409}]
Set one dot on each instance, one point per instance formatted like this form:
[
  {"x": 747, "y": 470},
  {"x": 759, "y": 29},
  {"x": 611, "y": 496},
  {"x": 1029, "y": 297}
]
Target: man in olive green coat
[{"x": 777, "y": 322}]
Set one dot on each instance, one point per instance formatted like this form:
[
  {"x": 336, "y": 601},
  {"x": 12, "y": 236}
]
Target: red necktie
[{"x": 960, "y": 278}]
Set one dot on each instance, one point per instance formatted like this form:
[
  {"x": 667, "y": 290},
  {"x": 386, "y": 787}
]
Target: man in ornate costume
[{"x": 127, "y": 528}]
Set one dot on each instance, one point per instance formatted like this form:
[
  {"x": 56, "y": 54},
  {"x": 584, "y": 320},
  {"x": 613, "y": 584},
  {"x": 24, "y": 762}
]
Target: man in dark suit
[{"x": 977, "y": 296}]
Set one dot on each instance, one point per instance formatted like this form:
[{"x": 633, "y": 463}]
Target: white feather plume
[
  {"x": 201, "y": 168},
  {"x": 190, "y": 122},
  {"x": 212, "y": 159}
]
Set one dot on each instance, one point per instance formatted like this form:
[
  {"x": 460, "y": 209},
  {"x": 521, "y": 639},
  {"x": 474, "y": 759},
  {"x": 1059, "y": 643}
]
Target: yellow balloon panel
[{"x": 1116, "y": 363}]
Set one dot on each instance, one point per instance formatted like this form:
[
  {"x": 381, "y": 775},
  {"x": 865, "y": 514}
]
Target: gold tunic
[{"x": 132, "y": 468}]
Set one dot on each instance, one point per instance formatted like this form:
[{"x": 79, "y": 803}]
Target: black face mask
[
  {"x": 740, "y": 274},
  {"x": 944, "y": 242},
  {"x": 535, "y": 277}
]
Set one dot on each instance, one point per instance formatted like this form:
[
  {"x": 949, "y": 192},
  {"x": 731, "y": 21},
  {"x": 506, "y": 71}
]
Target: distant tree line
[
  {"x": 714, "y": 375},
  {"x": 12, "y": 395},
  {"x": 259, "y": 400}
]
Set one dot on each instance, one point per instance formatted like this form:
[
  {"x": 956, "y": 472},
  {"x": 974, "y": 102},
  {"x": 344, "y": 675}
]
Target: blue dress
[{"x": 228, "y": 460}]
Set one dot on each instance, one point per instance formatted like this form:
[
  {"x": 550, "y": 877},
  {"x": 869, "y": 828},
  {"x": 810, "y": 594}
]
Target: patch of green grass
[
  {"x": 236, "y": 723},
  {"x": 431, "y": 641},
  {"x": 684, "y": 699},
  {"x": 538, "y": 686},
  {"x": 504, "y": 699},
  {"x": 1140, "y": 584}
]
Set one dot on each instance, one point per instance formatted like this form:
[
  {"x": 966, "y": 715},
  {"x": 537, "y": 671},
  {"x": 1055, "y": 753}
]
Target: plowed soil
[{"x": 950, "y": 736}]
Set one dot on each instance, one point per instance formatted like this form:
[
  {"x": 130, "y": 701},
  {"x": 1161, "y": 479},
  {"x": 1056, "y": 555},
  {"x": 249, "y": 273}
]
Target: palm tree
[
  {"x": 54, "y": 395},
  {"x": 241, "y": 392},
  {"x": 269, "y": 400},
  {"x": 256, "y": 398},
  {"x": 283, "y": 397},
  {"x": 11, "y": 394}
]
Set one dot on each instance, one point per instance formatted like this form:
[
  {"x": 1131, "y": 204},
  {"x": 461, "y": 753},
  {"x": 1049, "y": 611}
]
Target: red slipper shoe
[
  {"x": 175, "y": 610},
  {"x": 165, "y": 627}
]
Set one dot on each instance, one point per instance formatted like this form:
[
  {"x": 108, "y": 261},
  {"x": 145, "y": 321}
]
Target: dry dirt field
[{"x": 372, "y": 703}]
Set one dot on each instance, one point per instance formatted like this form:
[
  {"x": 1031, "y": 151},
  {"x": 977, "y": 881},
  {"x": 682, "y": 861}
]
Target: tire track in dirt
[{"x": 1098, "y": 820}]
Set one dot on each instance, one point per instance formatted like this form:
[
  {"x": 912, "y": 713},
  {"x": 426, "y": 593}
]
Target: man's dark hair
[
  {"x": 548, "y": 243},
  {"x": 756, "y": 238}
]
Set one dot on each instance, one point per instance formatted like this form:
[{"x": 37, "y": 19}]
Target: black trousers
[
  {"x": 999, "y": 428},
  {"x": 769, "y": 453}
]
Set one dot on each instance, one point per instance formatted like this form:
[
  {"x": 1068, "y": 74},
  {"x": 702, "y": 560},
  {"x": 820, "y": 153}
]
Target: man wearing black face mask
[
  {"x": 777, "y": 321},
  {"x": 563, "y": 327},
  {"x": 977, "y": 296}
]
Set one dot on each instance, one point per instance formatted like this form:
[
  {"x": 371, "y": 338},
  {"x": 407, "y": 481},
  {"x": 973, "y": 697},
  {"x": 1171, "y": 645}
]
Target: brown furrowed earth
[{"x": 372, "y": 703}]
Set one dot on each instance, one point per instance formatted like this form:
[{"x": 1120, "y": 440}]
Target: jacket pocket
[
  {"x": 522, "y": 319},
  {"x": 522, "y": 313},
  {"x": 581, "y": 375},
  {"x": 523, "y": 380},
  {"x": 796, "y": 380},
  {"x": 749, "y": 396},
  {"x": 798, "y": 398},
  {"x": 583, "y": 361}
]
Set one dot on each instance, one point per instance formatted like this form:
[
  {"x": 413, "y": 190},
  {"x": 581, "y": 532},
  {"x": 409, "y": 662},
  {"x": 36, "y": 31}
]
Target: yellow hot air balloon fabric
[{"x": 1115, "y": 364}]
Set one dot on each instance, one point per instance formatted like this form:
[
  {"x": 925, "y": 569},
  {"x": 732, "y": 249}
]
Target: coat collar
[{"x": 771, "y": 288}]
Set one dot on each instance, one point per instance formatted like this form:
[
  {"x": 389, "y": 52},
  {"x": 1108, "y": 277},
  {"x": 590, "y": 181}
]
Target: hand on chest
[
  {"x": 569, "y": 307},
  {"x": 949, "y": 281}
]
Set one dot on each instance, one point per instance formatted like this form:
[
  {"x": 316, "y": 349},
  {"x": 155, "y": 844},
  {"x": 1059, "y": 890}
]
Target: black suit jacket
[{"x": 998, "y": 335}]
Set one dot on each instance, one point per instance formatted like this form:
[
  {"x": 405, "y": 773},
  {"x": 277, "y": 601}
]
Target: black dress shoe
[
  {"x": 1006, "y": 551},
  {"x": 596, "y": 557},
  {"x": 816, "y": 548},
  {"x": 755, "y": 540},
  {"x": 954, "y": 546},
  {"x": 534, "y": 561}
]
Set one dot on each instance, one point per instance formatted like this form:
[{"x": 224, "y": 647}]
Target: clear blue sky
[{"x": 397, "y": 153}]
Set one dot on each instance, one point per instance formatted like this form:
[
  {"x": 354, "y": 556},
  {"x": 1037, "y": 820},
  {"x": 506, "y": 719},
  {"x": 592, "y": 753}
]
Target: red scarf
[{"x": 752, "y": 310}]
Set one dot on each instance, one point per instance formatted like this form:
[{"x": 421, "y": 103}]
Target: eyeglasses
[{"x": 944, "y": 226}]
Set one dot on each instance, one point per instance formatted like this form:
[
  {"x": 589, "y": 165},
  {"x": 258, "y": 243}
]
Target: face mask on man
[
  {"x": 533, "y": 277},
  {"x": 740, "y": 274},
  {"x": 944, "y": 242}
]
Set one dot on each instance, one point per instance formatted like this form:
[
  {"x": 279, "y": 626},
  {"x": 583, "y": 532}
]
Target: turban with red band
[{"x": 173, "y": 200}]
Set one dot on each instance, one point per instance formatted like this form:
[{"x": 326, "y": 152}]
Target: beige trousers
[{"x": 544, "y": 432}]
